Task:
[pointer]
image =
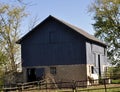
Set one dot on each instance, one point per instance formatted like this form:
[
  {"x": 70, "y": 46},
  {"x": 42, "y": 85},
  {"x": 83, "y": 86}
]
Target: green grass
[
  {"x": 116, "y": 81},
  {"x": 93, "y": 90},
  {"x": 79, "y": 90},
  {"x": 100, "y": 90}
]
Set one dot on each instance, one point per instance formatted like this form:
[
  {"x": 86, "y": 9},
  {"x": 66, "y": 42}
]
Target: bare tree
[{"x": 10, "y": 21}]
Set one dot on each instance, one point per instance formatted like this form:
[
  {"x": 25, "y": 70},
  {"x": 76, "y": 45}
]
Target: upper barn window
[
  {"x": 59, "y": 37},
  {"x": 51, "y": 37}
]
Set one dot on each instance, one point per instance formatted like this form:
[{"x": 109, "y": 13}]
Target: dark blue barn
[{"x": 58, "y": 50}]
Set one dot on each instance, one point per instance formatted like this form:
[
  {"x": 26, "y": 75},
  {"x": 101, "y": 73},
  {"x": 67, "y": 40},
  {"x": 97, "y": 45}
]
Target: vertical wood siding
[{"x": 53, "y": 44}]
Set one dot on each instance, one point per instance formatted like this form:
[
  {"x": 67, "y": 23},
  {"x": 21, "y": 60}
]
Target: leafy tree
[
  {"x": 107, "y": 26},
  {"x": 10, "y": 20}
]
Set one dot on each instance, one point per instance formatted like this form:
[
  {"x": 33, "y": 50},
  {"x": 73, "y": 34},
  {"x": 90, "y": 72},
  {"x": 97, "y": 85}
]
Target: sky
[{"x": 74, "y": 12}]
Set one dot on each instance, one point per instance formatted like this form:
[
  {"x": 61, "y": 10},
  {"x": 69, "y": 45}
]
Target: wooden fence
[{"x": 43, "y": 85}]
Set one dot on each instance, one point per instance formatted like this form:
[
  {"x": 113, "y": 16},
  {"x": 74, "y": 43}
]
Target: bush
[
  {"x": 113, "y": 73},
  {"x": 1, "y": 82}
]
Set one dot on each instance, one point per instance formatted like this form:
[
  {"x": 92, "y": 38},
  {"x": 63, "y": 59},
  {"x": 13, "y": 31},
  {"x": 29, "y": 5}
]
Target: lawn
[
  {"x": 116, "y": 81},
  {"x": 101, "y": 88}
]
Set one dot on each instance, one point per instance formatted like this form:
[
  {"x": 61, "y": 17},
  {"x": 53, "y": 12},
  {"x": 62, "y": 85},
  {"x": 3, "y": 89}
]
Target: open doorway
[
  {"x": 35, "y": 74},
  {"x": 40, "y": 72},
  {"x": 31, "y": 76},
  {"x": 99, "y": 65}
]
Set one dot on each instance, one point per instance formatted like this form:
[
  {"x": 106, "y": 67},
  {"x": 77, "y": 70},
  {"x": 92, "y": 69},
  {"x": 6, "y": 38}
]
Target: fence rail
[{"x": 73, "y": 85}]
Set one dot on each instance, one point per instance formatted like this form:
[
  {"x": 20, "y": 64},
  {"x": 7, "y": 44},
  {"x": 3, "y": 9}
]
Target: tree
[
  {"x": 107, "y": 26},
  {"x": 10, "y": 20}
]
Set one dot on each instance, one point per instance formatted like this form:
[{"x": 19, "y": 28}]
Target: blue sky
[{"x": 72, "y": 11}]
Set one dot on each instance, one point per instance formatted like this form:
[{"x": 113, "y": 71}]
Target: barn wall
[
  {"x": 92, "y": 52},
  {"x": 53, "y": 44},
  {"x": 64, "y": 73},
  {"x": 68, "y": 73}
]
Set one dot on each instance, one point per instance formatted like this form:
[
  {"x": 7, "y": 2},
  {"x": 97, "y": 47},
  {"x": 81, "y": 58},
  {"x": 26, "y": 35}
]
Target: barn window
[
  {"x": 53, "y": 70},
  {"x": 50, "y": 37}
]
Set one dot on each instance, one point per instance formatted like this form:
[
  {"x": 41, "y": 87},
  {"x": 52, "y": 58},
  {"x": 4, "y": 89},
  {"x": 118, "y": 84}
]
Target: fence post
[
  {"x": 38, "y": 85},
  {"x": 105, "y": 85},
  {"x": 74, "y": 86},
  {"x": 19, "y": 88},
  {"x": 59, "y": 84},
  {"x": 46, "y": 85},
  {"x": 22, "y": 86}
]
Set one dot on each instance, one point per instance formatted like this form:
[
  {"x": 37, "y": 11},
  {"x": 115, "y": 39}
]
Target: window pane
[{"x": 53, "y": 70}]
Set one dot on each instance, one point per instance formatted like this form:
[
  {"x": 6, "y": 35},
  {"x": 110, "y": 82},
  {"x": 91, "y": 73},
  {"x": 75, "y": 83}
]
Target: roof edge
[{"x": 80, "y": 31}]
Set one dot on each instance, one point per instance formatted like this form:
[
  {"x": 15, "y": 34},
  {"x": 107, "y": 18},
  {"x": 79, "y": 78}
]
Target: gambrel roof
[{"x": 78, "y": 30}]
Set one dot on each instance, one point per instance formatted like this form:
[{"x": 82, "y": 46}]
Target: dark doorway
[
  {"x": 40, "y": 74},
  {"x": 35, "y": 74},
  {"x": 99, "y": 65},
  {"x": 31, "y": 75}
]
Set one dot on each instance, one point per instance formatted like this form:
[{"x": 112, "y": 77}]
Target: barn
[{"x": 59, "y": 51}]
